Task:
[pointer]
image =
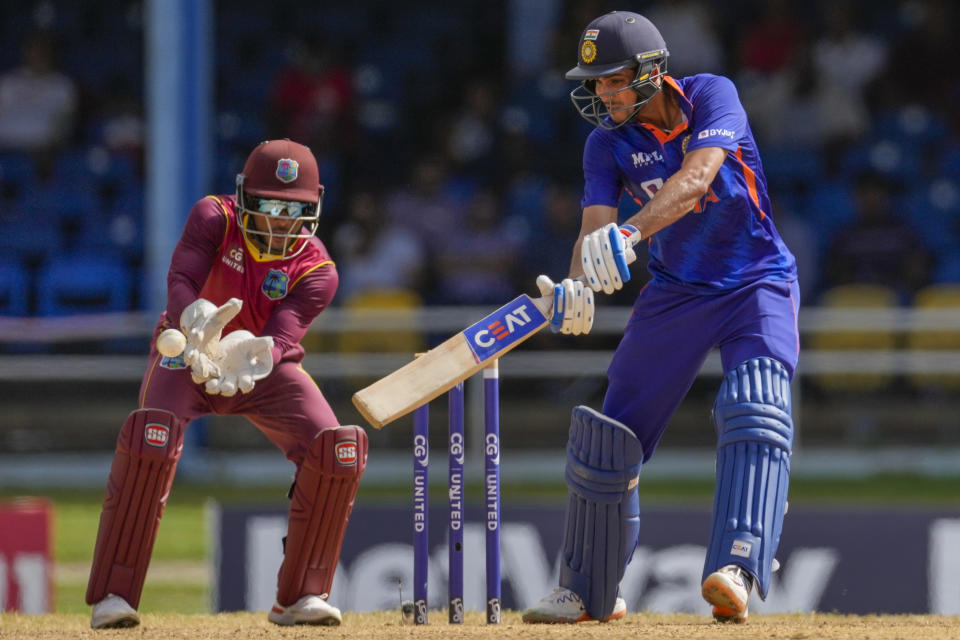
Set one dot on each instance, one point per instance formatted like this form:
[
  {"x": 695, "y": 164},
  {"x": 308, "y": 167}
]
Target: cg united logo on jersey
[
  {"x": 504, "y": 327},
  {"x": 275, "y": 284},
  {"x": 287, "y": 170}
]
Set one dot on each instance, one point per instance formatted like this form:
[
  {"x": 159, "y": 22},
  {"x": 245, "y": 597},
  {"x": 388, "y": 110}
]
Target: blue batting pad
[
  {"x": 603, "y": 511},
  {"x": 754, "y": 440}
]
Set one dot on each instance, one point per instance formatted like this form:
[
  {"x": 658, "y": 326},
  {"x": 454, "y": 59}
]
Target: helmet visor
[
  {"x": 594, "y": 108},
  {"x": 283, "y": 208},
  {"x": 277, "y": 225}
]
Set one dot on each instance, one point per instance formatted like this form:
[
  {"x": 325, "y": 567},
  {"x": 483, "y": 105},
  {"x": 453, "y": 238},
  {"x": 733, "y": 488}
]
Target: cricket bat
[{"x": 456, "y": 359}]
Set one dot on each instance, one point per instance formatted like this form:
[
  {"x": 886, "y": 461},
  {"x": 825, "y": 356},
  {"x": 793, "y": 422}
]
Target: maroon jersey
[{"x": 281, "y": 296}]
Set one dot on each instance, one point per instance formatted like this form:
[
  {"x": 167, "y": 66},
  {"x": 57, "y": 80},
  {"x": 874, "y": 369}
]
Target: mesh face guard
[
  {"x": 651, "y": 66},
  {"x": 290, "y": 220}
]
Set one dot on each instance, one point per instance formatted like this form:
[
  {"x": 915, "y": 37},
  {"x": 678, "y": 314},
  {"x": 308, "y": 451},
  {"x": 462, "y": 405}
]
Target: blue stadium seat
[
  {"x": 829, "y": 206},
  {"x": 786, "y": 168},
  {"x": 526, "y": 198},
  {"x": 14, "y": 289},
  {"x": 912, "y": 124},
  {"x": 947, "y": 270},
  {"x": 29, "y": 238},
  {"x": 950, "y": 161},
  {"x": 933, "y": 209},
  {"x": 116, "y": 229},
  {"x": 83, "y": 283},
  {"x": 17, "y": 172},
  {"x": 888, "y": 156}
]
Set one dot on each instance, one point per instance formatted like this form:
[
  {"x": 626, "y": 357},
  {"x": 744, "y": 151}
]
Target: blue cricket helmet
[{"x": 613, "y": 42}]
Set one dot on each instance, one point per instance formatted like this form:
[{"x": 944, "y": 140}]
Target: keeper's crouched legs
[
  {"x": 144, "y": 464},
  {"x": 320, "y": 507}
]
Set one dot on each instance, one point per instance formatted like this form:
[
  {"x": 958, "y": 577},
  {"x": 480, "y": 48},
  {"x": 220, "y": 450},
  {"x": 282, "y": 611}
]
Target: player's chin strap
[
  {"x": 603, "y": 510},
  {"x": 754, "y": 441}
]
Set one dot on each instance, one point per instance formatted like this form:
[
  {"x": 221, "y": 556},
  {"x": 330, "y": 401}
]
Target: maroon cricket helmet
[{"x": 282, "y": 169}]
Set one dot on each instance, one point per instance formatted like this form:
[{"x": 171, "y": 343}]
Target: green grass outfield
[{"x": 178, "y": 579}]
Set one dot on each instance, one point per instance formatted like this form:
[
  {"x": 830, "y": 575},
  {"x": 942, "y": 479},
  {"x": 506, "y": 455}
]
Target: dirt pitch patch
[{"x": 387, "y": 625}]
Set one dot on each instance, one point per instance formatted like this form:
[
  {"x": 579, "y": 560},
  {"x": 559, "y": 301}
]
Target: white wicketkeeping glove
[
  {"x": 243, "y": 359},
  {"x": 606, "y": 255},
  {"x": 202, "y": 322},
  {"x": 572, "y": 305}
]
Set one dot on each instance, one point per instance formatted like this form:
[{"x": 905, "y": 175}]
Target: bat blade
[{"x": 452, "y": 361}]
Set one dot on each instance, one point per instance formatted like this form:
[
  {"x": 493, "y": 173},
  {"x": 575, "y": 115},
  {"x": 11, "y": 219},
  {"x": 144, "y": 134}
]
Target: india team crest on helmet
[
  {"x": 588, "y": 51},
  {"x": 287, "y": 170},
  {"x": 275, "y": 284}
]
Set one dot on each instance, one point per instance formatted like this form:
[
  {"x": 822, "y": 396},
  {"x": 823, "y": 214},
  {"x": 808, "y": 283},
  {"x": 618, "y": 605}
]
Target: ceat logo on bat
[
  {"x": 156, "y": 435},
  {"x": 504, "y": 327},
  {"x": 346, "y": 452}
]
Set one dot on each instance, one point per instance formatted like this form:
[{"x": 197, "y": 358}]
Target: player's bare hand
[
  {"x": 244, "y": 359},
  {"x": 572, "y": 305},
  {"x": 606, "y": 255}
]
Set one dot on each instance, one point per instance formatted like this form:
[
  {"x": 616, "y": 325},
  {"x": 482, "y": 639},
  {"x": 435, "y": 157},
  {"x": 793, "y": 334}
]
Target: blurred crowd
[{"x": 448, "y": 146}]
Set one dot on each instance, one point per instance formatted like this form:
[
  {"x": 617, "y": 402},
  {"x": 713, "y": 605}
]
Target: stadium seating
[
  {"x": 939, "y": 297},
  {"x": 14, "y": 289},
  {"x": 17, "y": 173},
  {"x": 403, "y": 341},
  {"x": 787, "y": 168},
  {"x": 81, "y": 283},
  {"x": 855, "y": 296}
]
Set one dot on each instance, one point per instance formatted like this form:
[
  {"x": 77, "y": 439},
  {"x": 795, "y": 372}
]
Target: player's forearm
[
  {"x": 678, "y": 196},
  {"x": 680, "y": 193}
]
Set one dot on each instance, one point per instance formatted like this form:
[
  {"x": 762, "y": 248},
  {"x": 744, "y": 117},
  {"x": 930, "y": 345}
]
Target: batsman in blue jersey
[{"x": 682, "y": 149}]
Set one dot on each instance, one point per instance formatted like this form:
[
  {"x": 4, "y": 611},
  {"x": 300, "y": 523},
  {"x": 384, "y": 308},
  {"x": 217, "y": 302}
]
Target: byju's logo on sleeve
[{"x": 504, "y": 327}]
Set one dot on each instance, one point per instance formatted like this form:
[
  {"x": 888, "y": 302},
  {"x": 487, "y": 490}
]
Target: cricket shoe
[
  {"x": 563, "y": 606},
  {"x": 113, "y": 612},
  {"x": 728, "y": 590},
  {"x": 309, "y": 609}
]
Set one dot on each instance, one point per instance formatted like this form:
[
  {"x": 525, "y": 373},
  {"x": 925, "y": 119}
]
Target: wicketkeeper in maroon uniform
[{"x": 247, "y": 278}]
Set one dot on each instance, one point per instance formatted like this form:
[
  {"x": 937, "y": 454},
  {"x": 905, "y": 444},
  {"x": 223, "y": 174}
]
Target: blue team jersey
[{"x": 729, "y": 239}]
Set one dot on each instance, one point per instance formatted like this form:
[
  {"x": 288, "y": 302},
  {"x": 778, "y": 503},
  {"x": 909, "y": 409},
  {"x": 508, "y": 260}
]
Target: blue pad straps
[
  {"x": 754, "y": 440},
  {"x": 603, "y": 511}
]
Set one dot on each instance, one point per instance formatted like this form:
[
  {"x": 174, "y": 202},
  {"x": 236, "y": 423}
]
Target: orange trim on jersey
[
  {"x": 676, "y": 87},
  {"x": 310, "y": 270},
  {"x": 751, "y": 179},
  {"x": 226, "y": 214},
  {"x": 664, "y": 137},
  {"x": 146, "y": 383},
  {"x": 659, "y": 134}
]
